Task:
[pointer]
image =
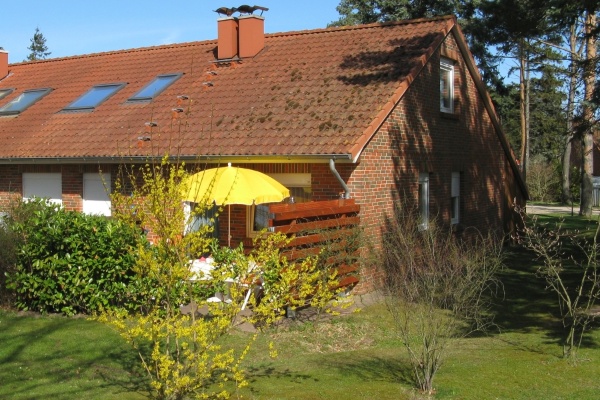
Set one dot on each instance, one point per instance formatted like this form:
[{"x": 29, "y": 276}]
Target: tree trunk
[
  {"x": 522, "y": 105},
  {"x": 567, "y": 195},
  {"x": 588, "y": 115}
]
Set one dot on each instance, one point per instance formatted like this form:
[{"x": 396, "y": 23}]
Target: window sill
[{"x": 448, "y": 115}]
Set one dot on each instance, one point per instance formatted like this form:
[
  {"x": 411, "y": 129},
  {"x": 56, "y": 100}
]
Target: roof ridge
[
  {"x": 361, "y": 26},
  {"x": 268, "y": 35},
  {"x": 121, "y": 51}
]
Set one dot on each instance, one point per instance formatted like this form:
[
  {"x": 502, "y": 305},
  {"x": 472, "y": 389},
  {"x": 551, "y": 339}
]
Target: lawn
[{"x": 353, "y": 356}]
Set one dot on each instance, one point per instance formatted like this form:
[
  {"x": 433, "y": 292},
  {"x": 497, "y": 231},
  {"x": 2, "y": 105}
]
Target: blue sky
[{"x": 73, "y": 27}]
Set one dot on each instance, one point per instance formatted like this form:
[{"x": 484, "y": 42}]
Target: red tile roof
[{"x": 306, "y": 94}]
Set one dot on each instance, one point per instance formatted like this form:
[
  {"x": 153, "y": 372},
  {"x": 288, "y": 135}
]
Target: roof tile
[{"x": 306, "y": 93}]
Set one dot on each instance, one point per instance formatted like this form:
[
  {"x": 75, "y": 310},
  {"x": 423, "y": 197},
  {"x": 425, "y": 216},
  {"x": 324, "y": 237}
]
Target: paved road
[{"x": 535, "y": 209}]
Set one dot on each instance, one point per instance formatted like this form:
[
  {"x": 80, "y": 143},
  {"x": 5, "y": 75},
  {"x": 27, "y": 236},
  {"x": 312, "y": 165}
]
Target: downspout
[{"x": 346, "y": 194}]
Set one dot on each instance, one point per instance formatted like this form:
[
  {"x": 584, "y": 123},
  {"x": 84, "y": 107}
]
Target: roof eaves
[
  {"x": 292, "y": 158},
  {"x": 487, "y": 101}
]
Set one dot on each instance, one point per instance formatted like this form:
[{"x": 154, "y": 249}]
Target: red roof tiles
[{"x": 306, "y": 94}]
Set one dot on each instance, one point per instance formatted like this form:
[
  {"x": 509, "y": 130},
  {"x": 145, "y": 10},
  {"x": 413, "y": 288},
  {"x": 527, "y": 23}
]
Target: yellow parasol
[{"x": 233, "y": 185}]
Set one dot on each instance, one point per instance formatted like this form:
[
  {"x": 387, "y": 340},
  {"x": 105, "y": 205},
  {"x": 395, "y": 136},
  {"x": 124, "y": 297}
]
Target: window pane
[
  {"x": 301, "y": 194},
  {"x": 210, "y": 217},
  {"x": 155, "y": 87},
  {"x": 446, "y": 86},
  {"x": 94, "y": 96},
  {"x": 424, "y": 199},
  {"x": 454, "y": 209},
  {"x": 261, "y": 217},
  {"x": 24, "y": 100}
]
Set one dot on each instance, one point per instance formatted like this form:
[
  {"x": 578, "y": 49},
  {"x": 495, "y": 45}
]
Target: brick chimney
[
  {"x": 251, "y": 35},
  {"x": 3, "y": 63},
  {"x": 227, "y": 43},
  {"x": 242, "y": 36}
]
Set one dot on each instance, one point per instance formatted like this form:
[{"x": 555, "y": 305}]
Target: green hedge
[{"x": 70, "y": 262}]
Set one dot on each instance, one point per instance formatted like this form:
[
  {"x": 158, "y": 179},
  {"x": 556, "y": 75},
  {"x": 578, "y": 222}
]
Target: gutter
[
  {"x": 215, "y": 159},
  {"x": 339, "y": 178}
]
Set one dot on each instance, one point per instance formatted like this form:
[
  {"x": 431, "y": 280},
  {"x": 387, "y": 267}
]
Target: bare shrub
[
  {"x": 543, "y": 180},
  {"x": 436, "y": 288},
  {"x": 573, "y": 274}
]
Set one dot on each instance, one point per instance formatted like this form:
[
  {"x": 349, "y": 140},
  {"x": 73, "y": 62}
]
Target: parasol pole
[{"x": 229, "y": 219}]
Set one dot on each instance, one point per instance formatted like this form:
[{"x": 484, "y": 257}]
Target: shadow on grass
[
  {"x": 528, "y": 306},
  {"x": 365, "y": 368},
  {"x": 263, "y": 373},
  {"x": 134, "y": 380},
  {"x": 57, "y": 356},
  {"x": 376, "y": 369}
]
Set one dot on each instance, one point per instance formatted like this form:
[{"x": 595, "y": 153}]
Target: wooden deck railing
[{"x": 329, "y": 228}]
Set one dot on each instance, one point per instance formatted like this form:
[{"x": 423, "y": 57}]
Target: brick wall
[
  {"x": 416, "y": 138},
  {"x": 11, "y": 181}
]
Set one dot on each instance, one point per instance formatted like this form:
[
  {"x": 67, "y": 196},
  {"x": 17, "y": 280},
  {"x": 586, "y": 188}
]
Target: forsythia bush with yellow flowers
[{"x": 184, "y": 355}]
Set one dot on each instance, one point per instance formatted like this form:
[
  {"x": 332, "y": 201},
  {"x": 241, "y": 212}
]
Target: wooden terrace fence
[{"x": 329, "y": 228}]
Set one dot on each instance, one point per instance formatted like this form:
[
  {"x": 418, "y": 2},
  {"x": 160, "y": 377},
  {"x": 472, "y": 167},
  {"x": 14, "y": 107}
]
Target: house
[{"x": 376, "y": 113}]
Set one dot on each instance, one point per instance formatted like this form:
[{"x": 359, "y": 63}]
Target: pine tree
[{"x": 39, "y": 50}]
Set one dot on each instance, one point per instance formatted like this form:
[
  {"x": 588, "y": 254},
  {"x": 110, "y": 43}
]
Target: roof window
[
  {"x": 94, "y": 97},
  {"x": 5, "y": 92},
  {"x": 25, "y": 99},
  {"x": 154, "y": 88}
]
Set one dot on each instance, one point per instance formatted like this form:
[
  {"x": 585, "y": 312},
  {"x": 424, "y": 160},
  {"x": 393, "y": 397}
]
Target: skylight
[
  {"x": 154, "y": 88},
  {"x": 25, "y": 99},
  {"x": 5, "y": 92},
  {"x": 94, "y": 97}
]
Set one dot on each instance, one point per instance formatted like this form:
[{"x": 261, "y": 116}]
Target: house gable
[{"x": 417, "y": 138}]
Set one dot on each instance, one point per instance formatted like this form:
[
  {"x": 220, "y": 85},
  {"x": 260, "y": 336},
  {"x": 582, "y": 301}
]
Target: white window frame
[
  {"x": 446, "y": 79},
  {"x": 43, "y": 185},
  {"x": 424, "y": 200},
  {"x": 96, "y": 194},
  {"x": 292, "y": 180},
  {"x": 455, "y": 198}
]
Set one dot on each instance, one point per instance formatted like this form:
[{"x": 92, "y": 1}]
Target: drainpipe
[{"x": 346, "y": 194}]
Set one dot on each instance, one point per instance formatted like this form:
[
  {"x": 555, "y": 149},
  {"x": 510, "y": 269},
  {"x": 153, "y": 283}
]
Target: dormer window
[
  {"x": 5, "y": 92},
  {"x": 446, "y": 86},
  {"x": 25, "y": 100},
  {"x": 154, "y": 88},
  {"x": 94, "y": 97}
]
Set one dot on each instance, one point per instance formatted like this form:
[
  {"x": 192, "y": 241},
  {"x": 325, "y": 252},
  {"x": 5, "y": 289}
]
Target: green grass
[
  {"x": 355, "y": 356},
  {"x": 573, "y": 223},
  {"x": 44, "y": 357}
]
